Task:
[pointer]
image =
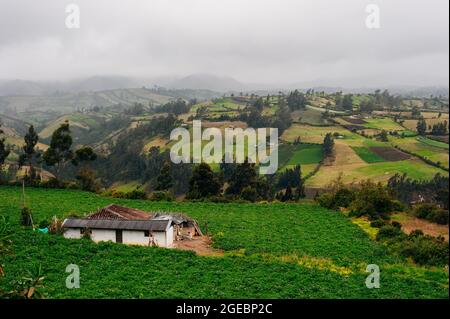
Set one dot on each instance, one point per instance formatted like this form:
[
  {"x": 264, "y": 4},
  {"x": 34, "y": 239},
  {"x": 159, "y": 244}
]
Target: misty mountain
[
  {"x": 95, "y": 83},
  {"x": 207, "y": 82}
]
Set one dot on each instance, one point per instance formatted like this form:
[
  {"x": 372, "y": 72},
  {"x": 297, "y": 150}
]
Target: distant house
[{"x": 132, "y": 226}]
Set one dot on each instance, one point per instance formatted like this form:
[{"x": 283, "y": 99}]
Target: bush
[
  {"x": 388, "y": 232},
  {"x": 425, "y": 250},
  {"x": 26, "y": 218},
  {"x": 432, "y": 213},
  {"x": 378, "y": 223},
  {"x": 249, "y": 193},
  {"x": 374, "y": 201},
  {"x": 136, "y": 194},
  {"x": 439, "y": 217},
  {"x": 162, "y": 196},
  {"x": 396, "y": 225}
]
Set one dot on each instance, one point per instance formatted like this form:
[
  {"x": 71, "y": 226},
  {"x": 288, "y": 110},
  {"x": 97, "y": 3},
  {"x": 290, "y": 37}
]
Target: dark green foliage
[
  {"x": 422, "y": 249},
  {"x": 440, "y": 128},
  {"x": 162, "y": 196},
  {"x": 59, "y": 151},
  {"x": 296, "y": 101},
  {"x": 365, "y": 199},
  {"x": 347, "y": 102},
  {"x": 421, "y": 126},
  {"x": 249, "y": 193},
  {"x": 259, "y": 104},
  {"x": 87, "y": 180},
  {"x": 29, "y": 153},
  {"x": 388, "y": 232},
  {"x": 407, "y": 189},
  {"x": 244, "y": 175},
  {"x": 203, "y": 183},
  {"x": 176, "y": 107},
  {"x": 341, "y": 197},
  {"x": 290, "y": 177},
  {"x": 136, "y": 109},
  {"x": 4, "y": 150},
  {"x": 164, "y": 180},
  {"x": 378, "y": 223},
  {"x": 26, "y": 218},
  {"x": 383, "y": 136},
  {"x": 432, "y": 213},
  {"x": 84, "y": 154},
  {"x": 373, "y": 200},
  {"x": 328, "y": 145}
]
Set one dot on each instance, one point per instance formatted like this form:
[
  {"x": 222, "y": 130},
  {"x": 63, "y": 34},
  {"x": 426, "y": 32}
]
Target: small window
[{"x": 146, "y": 233}]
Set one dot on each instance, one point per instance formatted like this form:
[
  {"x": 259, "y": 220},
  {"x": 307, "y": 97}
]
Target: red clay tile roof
[{"x": 116, "y": 212}]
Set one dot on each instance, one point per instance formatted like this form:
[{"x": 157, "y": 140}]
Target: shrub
[
  {"x": 378, "y": 223},
  {"x": 162, "y": 196},
  {"x": 249, "y": 193},
  {"x": 425, "y": 250},
  {"x": 136, "y": 194},
  {"x": 439, "y": 217},
  {"x": 432, "y": 213},
  {"x": 388, "y": 232},
  {"x": 396, "y": 225},
  {"x": 374, "y": 201},
  {"x": 26, "y": 218}
]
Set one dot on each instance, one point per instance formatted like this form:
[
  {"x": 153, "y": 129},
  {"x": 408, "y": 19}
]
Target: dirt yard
[
  {"x": 410, "y": 223},
  {"x": 201, "y": 246}
]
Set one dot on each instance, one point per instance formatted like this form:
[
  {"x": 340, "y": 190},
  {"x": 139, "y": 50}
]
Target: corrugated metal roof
[
  {"x": 117, "y": 212},
  {"x": 151, "y": 225}
]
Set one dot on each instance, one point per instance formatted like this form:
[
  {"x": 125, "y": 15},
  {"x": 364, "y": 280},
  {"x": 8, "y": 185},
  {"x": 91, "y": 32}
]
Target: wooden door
[{"x": 118, "y": 235}]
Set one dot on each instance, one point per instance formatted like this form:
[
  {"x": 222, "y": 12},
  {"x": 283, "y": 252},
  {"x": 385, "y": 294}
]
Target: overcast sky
[{"x": 259, "y": 41}]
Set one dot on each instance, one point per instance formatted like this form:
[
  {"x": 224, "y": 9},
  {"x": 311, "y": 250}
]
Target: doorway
[{"x": 118, "y": 235}]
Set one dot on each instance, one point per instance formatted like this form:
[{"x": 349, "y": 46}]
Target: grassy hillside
[{"x": 270, "y": 251}]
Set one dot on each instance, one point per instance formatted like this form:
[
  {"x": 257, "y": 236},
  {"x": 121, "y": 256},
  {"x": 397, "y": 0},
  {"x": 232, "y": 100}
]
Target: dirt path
[{"x": 201, "y": 246}]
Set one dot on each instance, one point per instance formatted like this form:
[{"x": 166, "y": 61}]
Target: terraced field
[{"x": 433, "y": 150}]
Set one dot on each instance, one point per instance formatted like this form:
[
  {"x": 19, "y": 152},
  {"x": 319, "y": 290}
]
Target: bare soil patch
[
  {"x": 354, "y": 121},
  {"x": 390, "y": 154},
  {"x": 354, "y": 127},
  {"x": 410, "y": 223},
  {"x": 201, "y": 246}
]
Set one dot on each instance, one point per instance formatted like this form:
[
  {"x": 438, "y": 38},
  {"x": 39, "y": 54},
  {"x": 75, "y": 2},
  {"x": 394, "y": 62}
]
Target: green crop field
[
  {"x": 270, "y": 251},
  {"x": 367, "y": 155},
  {"x": 307, "y": 154},
  {"x": 425, "y": 147},
  {"x": 383, "y": 124}
]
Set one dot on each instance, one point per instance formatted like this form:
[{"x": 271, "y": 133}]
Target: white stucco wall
[
  {"x": 72, "y": 233},
  {"x": 130, "y": 237},
  {"x": 103, "y": 235},
  {"x": 169, "y": 236},
  {"x": 134, "y": 237}
]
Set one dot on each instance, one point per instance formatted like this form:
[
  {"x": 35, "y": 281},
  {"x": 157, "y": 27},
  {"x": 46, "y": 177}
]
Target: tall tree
[
  {"x": 29, "y": 152},
  {"x": 347, "y": 102},
  {"x": 4, "y": 150},
  {"x": 59, "y": 152},
  {"x": 421, "y": 126},
  {"x": 243, "y": 175},
  {"x": 203, "y": 182},
  {"x": 328, "y": 145},
  {"x": 164, "y": 179}
]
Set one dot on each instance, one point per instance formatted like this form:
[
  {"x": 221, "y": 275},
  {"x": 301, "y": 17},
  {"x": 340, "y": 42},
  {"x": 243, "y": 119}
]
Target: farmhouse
[{"x": 132, "y": 226}]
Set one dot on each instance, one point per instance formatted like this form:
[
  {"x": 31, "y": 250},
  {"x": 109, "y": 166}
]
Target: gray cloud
[{"x": 264, "y": 41}]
